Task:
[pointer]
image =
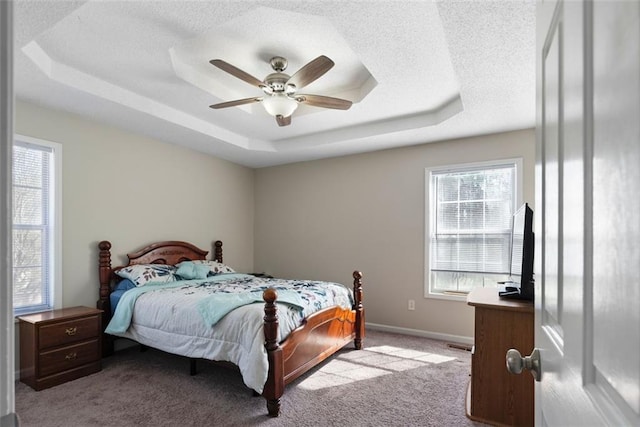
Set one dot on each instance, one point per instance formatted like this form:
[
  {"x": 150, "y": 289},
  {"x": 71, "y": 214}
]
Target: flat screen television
[{"x": 521, "y": 282}]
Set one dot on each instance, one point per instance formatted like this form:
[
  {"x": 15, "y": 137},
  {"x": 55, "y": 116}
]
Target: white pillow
[
  {"x": 141, "y": 274},
  {"x": 215, "y": 267}
]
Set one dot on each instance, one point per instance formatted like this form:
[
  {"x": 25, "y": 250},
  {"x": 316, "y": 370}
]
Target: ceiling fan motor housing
[{"x": 277, "y": 82}]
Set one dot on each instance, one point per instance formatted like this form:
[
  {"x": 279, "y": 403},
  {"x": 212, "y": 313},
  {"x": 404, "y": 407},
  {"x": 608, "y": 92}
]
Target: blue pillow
[
  {"x": 125, "y": 285},
  {"x": 188, "y": 270}
]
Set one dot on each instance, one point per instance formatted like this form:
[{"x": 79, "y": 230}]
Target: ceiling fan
[{"x": 280, "y": 97}]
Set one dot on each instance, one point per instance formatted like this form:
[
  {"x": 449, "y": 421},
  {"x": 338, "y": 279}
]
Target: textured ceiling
[{"x": 417, "y": 71}]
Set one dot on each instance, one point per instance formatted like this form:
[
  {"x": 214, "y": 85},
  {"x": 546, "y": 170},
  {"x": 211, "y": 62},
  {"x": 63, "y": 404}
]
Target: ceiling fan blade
[
  {"x": 236, "y": 102},
  {"x": 283, "y": 121},
  {"x": 311, "y": 72},
  {"x": 324, "y": 101},
  {"x": 237, "y": 72}
]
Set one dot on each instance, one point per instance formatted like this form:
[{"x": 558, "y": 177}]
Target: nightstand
[{"x": 59, "y": 346}]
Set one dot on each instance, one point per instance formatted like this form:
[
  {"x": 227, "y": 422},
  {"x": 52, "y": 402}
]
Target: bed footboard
[{"x": 322, "y": 334}]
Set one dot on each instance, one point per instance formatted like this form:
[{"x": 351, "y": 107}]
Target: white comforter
[{"x": 169, "y": 319}]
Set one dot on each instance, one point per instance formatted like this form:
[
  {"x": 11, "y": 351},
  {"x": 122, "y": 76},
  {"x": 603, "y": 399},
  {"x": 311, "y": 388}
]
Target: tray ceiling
[{"x": 416, "y": 71}]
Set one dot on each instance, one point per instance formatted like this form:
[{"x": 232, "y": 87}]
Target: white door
[
  {"x": 7, "y": 363},
  {"x": 588, "y": 213}
]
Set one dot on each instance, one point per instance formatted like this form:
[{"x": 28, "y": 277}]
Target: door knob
[{"x": 516, "y": 363}]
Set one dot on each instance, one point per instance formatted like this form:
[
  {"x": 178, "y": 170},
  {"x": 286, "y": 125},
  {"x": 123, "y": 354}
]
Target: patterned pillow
[
  {"x": 141, "y": 274},
  {"x": 215, "y": 268}
]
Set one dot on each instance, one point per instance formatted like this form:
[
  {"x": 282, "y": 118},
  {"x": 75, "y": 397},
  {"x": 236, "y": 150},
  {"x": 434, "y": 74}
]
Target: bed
[{"x": 313, "y": 330}]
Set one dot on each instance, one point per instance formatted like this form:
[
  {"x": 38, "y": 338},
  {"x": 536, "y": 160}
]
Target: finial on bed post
[
  {"x": 217, "y": 251},
  {"x": 104, "y": 304},
  {"x": 274, "y": 387},
  {"x": 359, "y": 308},
  {"x": 270, "y": 319}
]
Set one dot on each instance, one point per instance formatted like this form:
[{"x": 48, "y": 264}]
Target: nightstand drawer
[
  {"x": 69, "y": 332},
  {"x": 69, "y": 357}
]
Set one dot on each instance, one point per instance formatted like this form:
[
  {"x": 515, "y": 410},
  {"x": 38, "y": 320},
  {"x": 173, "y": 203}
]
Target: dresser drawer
[
  {"x": 68, "y": 332},
  {"x": 62, "y": 359}
]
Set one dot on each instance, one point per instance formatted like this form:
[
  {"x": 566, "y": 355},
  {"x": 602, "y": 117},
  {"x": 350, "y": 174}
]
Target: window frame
[
  {"x": 55, "y": 214},
  {"x": 430, "y": 202}
]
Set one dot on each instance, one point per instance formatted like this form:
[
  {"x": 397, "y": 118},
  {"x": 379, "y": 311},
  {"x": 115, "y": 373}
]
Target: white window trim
[
  {"x": 55, "y": 248},
  {"x": 429, "y": 200}
]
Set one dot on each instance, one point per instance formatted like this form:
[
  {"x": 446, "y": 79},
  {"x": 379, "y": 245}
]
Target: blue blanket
[{"x": 216, "y": 306}]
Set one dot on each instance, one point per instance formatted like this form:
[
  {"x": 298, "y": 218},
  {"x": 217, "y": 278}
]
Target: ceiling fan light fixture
[{"x": 279, "y": 105}]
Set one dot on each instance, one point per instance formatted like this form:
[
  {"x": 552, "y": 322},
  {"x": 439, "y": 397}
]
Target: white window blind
[
  {"x": 470, "y": 226},
  {"x": 33, "y": 223}
]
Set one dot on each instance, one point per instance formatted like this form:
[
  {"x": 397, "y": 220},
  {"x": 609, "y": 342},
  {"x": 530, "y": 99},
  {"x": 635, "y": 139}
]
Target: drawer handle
[
  {"x": 71, "y": 356},
  {"x": 71, "y": 331}
]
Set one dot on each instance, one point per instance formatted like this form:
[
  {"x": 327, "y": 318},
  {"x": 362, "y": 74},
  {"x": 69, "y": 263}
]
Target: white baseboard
[
  {"x": 9, "y": 420},
  {"x": 420, "y": 333}
]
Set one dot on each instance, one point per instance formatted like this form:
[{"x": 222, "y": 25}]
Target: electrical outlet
[{"x": 412, "y": 305}]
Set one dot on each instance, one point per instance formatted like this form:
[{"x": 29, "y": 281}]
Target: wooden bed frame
[{"x": 321, "y": 334}]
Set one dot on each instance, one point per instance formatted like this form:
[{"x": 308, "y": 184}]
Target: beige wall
[
  {"x": 325, "y": 218},
  {"x": 319, "y": 219},
  {"x": 132, "y": 191}
]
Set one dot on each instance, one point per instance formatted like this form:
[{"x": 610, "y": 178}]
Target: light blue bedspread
[
  {"x": 216, "y": 306},
  {"x": 124, "y": 311},
  {"x": 212, "y": 308}
]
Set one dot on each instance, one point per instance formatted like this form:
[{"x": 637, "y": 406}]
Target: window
[
  {"x": 36, "y": 225},
  {"x": 469, "y": 211}
]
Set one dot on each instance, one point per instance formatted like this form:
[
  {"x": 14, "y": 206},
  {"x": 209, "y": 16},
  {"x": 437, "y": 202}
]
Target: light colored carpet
[{"x": 397, "y": 380}]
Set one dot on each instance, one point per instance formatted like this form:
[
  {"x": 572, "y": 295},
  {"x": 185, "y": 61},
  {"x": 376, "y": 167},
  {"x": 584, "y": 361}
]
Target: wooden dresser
[
  {"x": 59, "y": 346},
  {"x": 496, "y": 396}
]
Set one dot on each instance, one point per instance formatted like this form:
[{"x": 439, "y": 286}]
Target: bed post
[
  {"x": 359, "y": 308},
  {"x": 274, "y": 387},
  {"x": 104, "y": 304},
  {"x": 217, "y": 251}
]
